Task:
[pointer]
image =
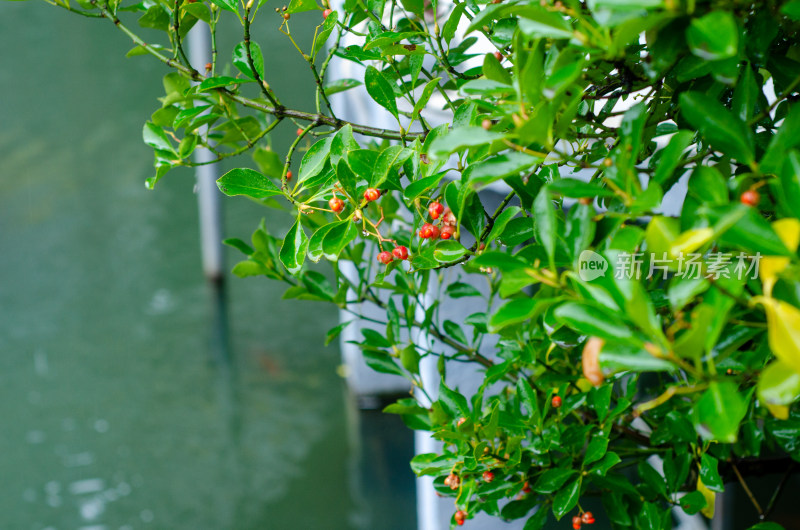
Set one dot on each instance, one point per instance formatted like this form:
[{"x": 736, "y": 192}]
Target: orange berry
[
  {"x": 460, "y": 516},
  {"x": 336, "y": 204},
  {"x": 327, "y": 12},
  {"x": 556, "y": 402},
  {"x": 587, "y": 518},
  {"x": 299, "y": 131},
  {"x": 385, "y": 257},
  {"x": 486, "y": 124},
  {"x": 289, "y": 175},
  {"x": 750, "y": 198},
  {"x": 372, "y": 194},
  {"x": 286, "y": 16},
  {"x": 435, "y": 210},
  {"x": 488, "y": 476},
  {"x": 426, "y": 231},
  {"x": 498, "y": 56}
]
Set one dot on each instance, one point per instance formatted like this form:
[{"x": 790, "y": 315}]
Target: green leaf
[
  {"x": 671, "y": 156},
  {"x": 713, "y": 36},
  {"x": 314, "y": 160},
  {"x": 389, "y": 158},
  {"x": 240, "y": 59},
  {"x": 448, "y": 251},
  {"x": 380, "y": 90},
  {"x": 596, "y": 449},
  {"x": 409, "y": 358},
  {"x": 322, "y": 37},
  {"x": 248, "y": 182},
  {"x": 218, "y": 82},
  {"x": 501, "y": 222},
  {"x": 513, "y": 312},
  {"x": 460, "y": 138},
  {"x": 453, "y": 402},
  {"x": 340, "y": 85},
  {"x": 293, "y": 250},
  {"x": 787, "y": 137},
  {"x": 616, "y": 357},
  {"x": 566, "y": 498},
  {"x": 693, "y": 502},
  {"x": 553, "y": 479},
  {"x": 155, "y": 137},
  {"x": 718, "y": 412},
  {"x": 709, "y": 473},
  {"x": 545, "y": 226},
  {"x": 461, "y": 290},
  {"x": 578, "y": 189},
  {"x": 228, "y": 5},
  {"x": 341, "y": 235},
  {"x": 381, "y": 362},
  {"x": 779, "y": 384},
  {"x": 336, "y": 331},
  {"x": 537, "y": 22},
  {"x": 493, "y": 70},
  {"x": 315, "y": 252},
  {"x": 424, "y": 97},
  {"x": 593, "y": 320},
  {"x": 483, "y": 173},
  {"x": 298, "y": 6},
  {"x": 716, "y": 123}
]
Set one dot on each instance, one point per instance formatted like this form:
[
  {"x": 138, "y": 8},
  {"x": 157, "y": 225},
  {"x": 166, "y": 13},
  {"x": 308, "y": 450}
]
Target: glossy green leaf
[
  {"x": 545, "y": 226},
  {"x": 248, "y": 182},
  {"x": 716, "y": 123},
  {"x": 461, "y": 138},
  {"x": 718, "y": 412},
  {"x": 241, "y": 62},
  {"x": 293, "y": 250},
  {"x": 380, "y": 90},
  {"x": 713, "y": 36}
]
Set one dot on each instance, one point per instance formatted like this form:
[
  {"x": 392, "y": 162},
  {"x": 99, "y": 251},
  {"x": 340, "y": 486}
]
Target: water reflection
[{"x": 132, "y": 395}]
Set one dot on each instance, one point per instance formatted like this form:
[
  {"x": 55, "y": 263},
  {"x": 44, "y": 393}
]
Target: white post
[{"x": 208, "y": 196}]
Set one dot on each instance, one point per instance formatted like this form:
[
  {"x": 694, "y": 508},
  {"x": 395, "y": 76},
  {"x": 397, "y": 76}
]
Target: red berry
[
  {"x": 286, "y": 16},
  {"x": 556, "y": 402},
  {"x": 460, "y": 516},
  {"x": 434, "y": 232},
  {"x": 327, "y": 12},
  {"x": 750, "y": 198},
  {"x": 587, "y": 518},
  {"x": 452, "y": 481},
  {"x": 426, "y": 231},
  {"x": 400, "y": 252},
  {"x": 299, "y": 131},
  {"x": 488, "y": 476},
  {"x": 447, "y": 232},
  {"x": 385, "y": 257},
  {"x": 288, "y": 175},
  {"x": 435, "y": 210},
  {"x": 576, "y": 526},
  {"x": 526, "y": 487},
  {"x": 576, "y": 521},
  {"x": 498, "y": 56},
  {"x": 372, "y": 194},
  {"x": 336, "y": 204}
]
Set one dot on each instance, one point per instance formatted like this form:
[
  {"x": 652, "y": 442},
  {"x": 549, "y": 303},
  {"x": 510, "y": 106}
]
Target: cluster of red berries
[
  {"x": 430, "y": 231},
  {"x": 400, "y": 252},
  {"x": 586, "y": 518}
]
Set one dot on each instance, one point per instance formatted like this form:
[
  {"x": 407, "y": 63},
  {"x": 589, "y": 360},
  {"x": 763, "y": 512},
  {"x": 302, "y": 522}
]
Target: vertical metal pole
[{"x": 208, "y": 196}]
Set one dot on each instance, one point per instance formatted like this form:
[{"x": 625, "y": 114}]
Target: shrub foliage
[{"x": 614, "y": 325}]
